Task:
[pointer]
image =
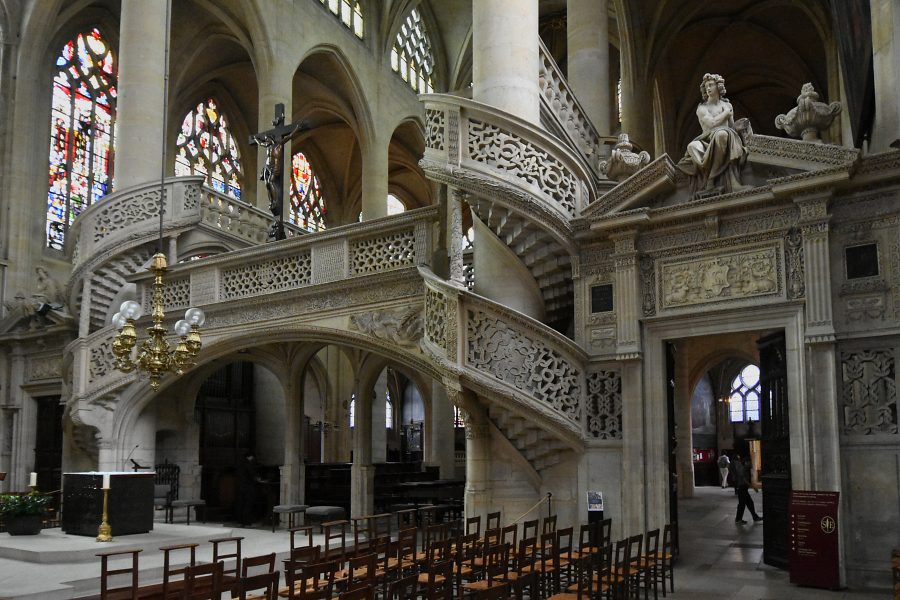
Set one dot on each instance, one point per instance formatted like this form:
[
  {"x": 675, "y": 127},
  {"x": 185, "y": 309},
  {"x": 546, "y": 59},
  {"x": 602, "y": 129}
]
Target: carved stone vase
[
  {"x": 623, "y": 161},
  {"x": 809, "y": 117}
]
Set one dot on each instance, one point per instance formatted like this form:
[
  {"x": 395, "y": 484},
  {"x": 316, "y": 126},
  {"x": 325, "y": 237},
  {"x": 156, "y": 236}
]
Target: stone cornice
[
  {"x": 797, "y": 153},
  {"x": 656, "y": 177}
]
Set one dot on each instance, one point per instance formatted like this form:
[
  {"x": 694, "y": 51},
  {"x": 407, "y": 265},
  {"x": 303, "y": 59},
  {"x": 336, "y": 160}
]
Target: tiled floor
[{"x": 722, "y": 560}]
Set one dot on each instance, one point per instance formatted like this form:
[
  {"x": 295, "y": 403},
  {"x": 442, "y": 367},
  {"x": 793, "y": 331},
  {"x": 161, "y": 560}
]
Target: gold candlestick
[{"x": 104, "y": 532}]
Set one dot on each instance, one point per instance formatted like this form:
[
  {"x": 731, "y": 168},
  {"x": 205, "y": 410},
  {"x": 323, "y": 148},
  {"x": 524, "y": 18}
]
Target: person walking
[
  {"x": 740, "y": 478},
  {"x": 723, "y": 464}
]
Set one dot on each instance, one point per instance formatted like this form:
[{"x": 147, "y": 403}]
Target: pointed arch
[
  {"x": 82, "y": 130},
  {"x": 206, "y": 146}
]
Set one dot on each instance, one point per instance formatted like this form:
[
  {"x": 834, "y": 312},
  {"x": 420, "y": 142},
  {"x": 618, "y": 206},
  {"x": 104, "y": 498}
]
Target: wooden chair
[
  {"x": 895, "y": 569},
  {"x": 172, "y": 584},
  {"x": 405, "y": 588},
  {"x": 266, "y": 562},
  {"x": 406, "y": 518},
  {"x": 439, "y": 552},
  {"x": 564, "y": 549},
  {"x": 314, "y": 581},
  {"x": 510, "y": 535},
  {"x": 648, "y": 563},
  {"x": 547, "y": 564},
  {"x": 548, "y": 524},
  {"x": 582, "y": 588},
  {"x": 666, "y": 555},
  {"x": 524, "y": 578},
  {"x": 366, "y": 592},
  {"x": 229, "y": 576},
  {"x": 263, "y": 586},
  {"x": 203, "y": 582},
  {"x": 129, "y": 591},
  {"x": 473, "y": 525},
  {"x": 304, "y": 555},
  {"x": 492, "y": 521},
  {"x": 335, "y": 540},
  {"x": 301, "y": 537},
  {"x": 530, "y": 529},
  {"x": 496, "y": 592},
  {"x": 465, "y": 552},
  {"x": 496, "y": 570},
  {"x": 360, "y": 572},
  {"x": 439, "y": 584}
]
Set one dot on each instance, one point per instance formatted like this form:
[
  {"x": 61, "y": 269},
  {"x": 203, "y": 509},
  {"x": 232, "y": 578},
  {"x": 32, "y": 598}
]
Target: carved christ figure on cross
[{"x": 273, "y": 141}]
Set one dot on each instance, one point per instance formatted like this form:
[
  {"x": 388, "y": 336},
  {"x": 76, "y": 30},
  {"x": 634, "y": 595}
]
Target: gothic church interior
[{"x": 531, "y": 248}]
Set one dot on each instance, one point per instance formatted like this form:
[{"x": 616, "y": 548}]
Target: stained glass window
[
  {"x": 411, "y": 55},
  {"x": 388, "y": 411},
  {"x": 744, "y": 399},
  {"x": 307, "y": 204},
  {"x": 206, "y": 147},
  {"x": 350, "y": 14},
  {"x": 81, "y": 131},
  {"x": 394, "y": 205}
]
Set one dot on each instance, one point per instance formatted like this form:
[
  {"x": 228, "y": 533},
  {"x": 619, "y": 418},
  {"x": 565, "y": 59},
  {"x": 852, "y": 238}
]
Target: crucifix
[{"x": 273, "y": 140}]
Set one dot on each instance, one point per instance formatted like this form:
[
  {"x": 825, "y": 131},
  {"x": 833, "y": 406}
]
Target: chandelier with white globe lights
[{"x": 155, "y": 356}]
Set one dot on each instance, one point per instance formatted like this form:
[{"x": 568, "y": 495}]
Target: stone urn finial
[
  {"x": 623, "y": 163},
  {"x": 809, "y": 117}
]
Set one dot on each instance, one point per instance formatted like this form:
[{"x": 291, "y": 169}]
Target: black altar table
[{"x": 130, "y": 503}]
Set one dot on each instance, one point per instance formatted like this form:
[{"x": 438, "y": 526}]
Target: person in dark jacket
[{"x": 740, "y": 478}]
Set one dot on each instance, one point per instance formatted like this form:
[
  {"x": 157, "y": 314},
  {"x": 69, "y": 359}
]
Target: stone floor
[{"x": 721, "y": 560}]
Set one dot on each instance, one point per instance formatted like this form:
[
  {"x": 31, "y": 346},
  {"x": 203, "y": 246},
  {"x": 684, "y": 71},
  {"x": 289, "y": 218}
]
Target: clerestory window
[
  {"x": 206, "y": 147},
  {"x": 350, "y": 14},
  {"x": 82, "y": 121},
  {"x": 412, "y": 56}
]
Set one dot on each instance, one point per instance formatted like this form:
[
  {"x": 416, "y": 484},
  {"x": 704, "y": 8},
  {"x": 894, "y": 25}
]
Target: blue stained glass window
[
  {"x": 307, "y": 205},
  {"x": 82, "y": 121}
]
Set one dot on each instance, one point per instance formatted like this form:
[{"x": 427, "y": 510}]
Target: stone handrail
[
  {"x": 479, "y": 147},
  {"x": 536, "y": 366},
  {"x": 341, "y": 253},
  {"x": 561, "y": 102},
  {"x": 133, "y": 213}
]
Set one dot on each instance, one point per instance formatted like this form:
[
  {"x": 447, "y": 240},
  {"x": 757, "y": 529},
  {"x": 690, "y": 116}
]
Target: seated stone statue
[{"x": 714, "y": 159}]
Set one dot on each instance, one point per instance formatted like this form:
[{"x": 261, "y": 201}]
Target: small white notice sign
[{"x": 594, "y": 501}]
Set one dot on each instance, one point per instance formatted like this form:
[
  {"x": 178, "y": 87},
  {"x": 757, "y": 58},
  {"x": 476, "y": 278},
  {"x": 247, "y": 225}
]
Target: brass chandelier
[{"x": 155, "y": 356}]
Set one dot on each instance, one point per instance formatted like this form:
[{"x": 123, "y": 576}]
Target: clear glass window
[
  {"x": 349, "y": 13},
  {"x": 412, "y": 56},
  {"x": 744, "y": 397}
]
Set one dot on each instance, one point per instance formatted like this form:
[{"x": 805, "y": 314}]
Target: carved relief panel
[
  {"x": 868, "y": 392},
  {"x": 722, "y": 277}
]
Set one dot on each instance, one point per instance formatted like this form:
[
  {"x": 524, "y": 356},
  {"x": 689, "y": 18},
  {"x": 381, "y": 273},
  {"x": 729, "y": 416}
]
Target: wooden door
[
  {"x": 48, "y": 445},
  {"x": 776, "y": 449}
]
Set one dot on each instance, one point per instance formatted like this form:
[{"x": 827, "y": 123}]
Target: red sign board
[{"x": 814, "y": 559}]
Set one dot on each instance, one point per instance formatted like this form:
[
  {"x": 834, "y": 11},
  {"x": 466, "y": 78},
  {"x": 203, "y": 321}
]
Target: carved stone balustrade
[
  {"x": 559, "y": 103},
  {"x": 486, "y": 152},
  {"x": 809, "y": 117},
  {"x": 133, "y": 215},
  {"x": 342, "y": 253},
  {"x": 507, "y": 356}
]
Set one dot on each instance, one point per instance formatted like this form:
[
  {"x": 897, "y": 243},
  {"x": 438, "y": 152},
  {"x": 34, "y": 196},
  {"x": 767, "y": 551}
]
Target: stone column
[
  {"x": 455, "y": 235},
  {"x": 374, "y": 180},
  {"x": 505, "y": 56},
  {"x": 587, "y": 28},
  {"x": 293, "y": 470},
  {"x": 441, "y": 446},
  {"x": 684, "y": 451},
  {"x": 478, "y": 453},
  {"x": 637, "y": 109},
  {"x": 362, "y": 473},
  {"x": 139, "y": 108},
  {"x": 820, "y": 343},
  {"x": 627, "y": 295},
  {"x": 886, "y": 60},
  {"x": 84, "y": 317},
  {"x": 379, "y": 435}
]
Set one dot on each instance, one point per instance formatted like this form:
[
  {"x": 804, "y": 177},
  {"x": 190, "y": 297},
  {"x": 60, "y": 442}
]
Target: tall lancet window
[
  {"x": 307, "y": 204},
  {"x": 206, "y": 147},
  {"x": 412, "y": 56},
  {"x": 82, "y": 122},
  {"x": 349, "y": 12}
]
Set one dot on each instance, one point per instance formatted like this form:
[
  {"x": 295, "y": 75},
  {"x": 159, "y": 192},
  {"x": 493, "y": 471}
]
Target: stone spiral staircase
[{"x": 526, "y": 183}]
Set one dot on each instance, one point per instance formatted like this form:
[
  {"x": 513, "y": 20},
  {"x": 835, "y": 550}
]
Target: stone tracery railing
[
  {"x": 542, "y": 369},
  {"x": 134, "y": 212},
  {"x": 561, "y": 103},
  {"x": 340, "y": 253},
  {"x": 477, "y": 146}
]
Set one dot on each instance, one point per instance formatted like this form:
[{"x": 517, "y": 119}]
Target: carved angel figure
[
  {"x": 402, "y": 327},
  {"x": 714, "y": 159}
]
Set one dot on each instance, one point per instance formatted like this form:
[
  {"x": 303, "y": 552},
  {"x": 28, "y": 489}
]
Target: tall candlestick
[
  {"x": 104, "y": 532},
  {"x": 33, "y": 481},
  {"x": 106, "y": 481}
]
